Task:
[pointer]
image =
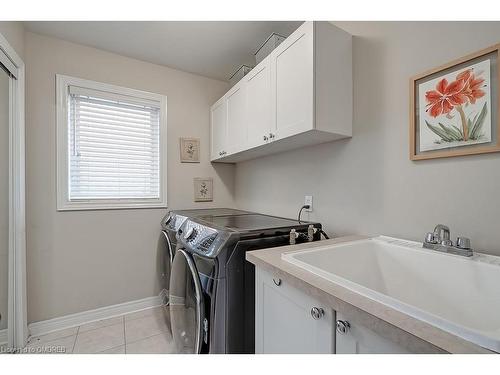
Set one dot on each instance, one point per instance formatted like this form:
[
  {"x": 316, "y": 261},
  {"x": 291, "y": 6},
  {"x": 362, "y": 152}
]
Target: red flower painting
[
  {"x": 449, "y": 96},
  {"x": 472, "y": 89},
  {"x": 445, "y": 97}
]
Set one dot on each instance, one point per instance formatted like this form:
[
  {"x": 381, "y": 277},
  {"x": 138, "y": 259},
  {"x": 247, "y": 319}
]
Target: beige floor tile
[
  {"x": 117, "y": 350},
  {"x": 100, "y": 339},
  {"x": 62, "y": 345},
  {"x": 53, "y": 335},
  {"x": 157, "y": 344},
  {"x": 143, "y": 313},
  {"x": 141, "y": 328},
  {"x": 100, "y": 324}
]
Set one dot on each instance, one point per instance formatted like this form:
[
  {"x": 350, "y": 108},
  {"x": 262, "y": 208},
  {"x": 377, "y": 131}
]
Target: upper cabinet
[
  {"x": 300, "y": 95},
  {"x": 218, "y": 129},
  {"x": 258, "y": 104},
  {"x": 293, "y": 83},
  {"x": 236, "y": 111}
]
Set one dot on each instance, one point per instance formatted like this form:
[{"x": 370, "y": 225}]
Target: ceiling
[{"x": 210, "y": 48}]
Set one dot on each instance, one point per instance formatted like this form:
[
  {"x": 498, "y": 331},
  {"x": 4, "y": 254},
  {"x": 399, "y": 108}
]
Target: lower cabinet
[
  {"x": 287, "y": 320},
  {"x": 356, "y": 339}
]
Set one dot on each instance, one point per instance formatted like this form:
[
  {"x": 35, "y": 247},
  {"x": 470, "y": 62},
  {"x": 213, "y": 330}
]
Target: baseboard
[
  {"x": 74, "y": 320},
  {"x": 3, "y": 336}
]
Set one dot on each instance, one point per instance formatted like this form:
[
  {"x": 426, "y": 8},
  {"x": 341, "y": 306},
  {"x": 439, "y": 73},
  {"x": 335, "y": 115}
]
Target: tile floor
[{"x": 141, "y": 332}]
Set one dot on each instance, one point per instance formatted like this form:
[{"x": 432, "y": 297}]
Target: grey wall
[
  {"x": 13, "y": 31},
  {"x": 367, "y": 184},
  {"x": 83, "y": 260}
]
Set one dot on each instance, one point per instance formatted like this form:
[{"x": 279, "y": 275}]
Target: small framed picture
[
  {"x": 454, "y": 108},
  {"x": 203, "y": 189},
  {"x": 190, "y": 150}
]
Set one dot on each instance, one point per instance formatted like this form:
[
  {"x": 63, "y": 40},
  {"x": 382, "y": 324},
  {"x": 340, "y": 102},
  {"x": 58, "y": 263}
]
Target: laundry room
[{"x": 305, "y": 183}]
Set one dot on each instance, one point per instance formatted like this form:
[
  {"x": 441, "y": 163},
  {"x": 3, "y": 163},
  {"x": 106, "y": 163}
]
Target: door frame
[{"x": 17, "y": 330}]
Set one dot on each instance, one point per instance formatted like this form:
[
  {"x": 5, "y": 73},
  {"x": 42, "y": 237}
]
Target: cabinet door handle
[
  {"x": 343, "y": 326},
  {"x": 271, "y": 135},
  {"x": 265, "y": 138},
  {"x": 317, "y": 312},
  {"x": 277, "y": 282}
]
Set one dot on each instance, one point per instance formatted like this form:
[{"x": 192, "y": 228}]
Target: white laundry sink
[{"x": 456, "y": 294}]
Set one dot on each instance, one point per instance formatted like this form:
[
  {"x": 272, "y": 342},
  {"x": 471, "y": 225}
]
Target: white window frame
[{"x": 62, "y": 96}]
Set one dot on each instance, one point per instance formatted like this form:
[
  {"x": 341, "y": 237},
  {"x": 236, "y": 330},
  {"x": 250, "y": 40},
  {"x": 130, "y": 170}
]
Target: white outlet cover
[{"x": 308, "y": 199}]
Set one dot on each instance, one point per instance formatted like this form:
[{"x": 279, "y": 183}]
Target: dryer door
[
  {"x": 168, "y": 257},
  {"x": 169, "y": 247},
  {"x": 187, "y": 312}
]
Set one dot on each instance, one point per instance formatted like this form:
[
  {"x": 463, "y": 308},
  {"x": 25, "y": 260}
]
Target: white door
[
  {"x": 258, "y": 87},
  {"x": 218, "y": 128},
  {"x": 236, "y": 118},
  {"x": 293, "y": 82},
  {"x": 13, "y": 328},
  {"x": 357, "y": 339},
  {"x": 5, "y": 112},
  {"x": 288, "y": 320}
]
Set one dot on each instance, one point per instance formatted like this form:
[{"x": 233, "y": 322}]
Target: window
[{"x": 111, "y": 146}]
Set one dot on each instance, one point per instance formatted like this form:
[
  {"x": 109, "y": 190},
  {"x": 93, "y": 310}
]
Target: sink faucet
[
  {"x": 439, "y": 240},
  {"x": 442, "y": 234}
]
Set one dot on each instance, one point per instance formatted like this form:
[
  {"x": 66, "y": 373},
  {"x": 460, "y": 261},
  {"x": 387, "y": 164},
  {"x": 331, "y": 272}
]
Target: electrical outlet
[{"x": 308, "y": 199}]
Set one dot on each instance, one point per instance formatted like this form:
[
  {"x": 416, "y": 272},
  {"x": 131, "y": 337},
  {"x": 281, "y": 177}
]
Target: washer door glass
[{"x": 186, "y": 304}]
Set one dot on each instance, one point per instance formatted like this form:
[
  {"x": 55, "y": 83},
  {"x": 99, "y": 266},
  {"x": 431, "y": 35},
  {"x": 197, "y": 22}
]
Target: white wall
[
  {"x": 84, "y": 260},
  {"x": 367, "y": 184}
]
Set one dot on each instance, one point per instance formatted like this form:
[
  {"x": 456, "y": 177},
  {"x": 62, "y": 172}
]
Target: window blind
[{"x": 114, "y": 146}]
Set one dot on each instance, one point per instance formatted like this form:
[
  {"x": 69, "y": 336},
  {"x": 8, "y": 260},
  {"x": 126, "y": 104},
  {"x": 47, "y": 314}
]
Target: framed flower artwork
[
  {"x": 203, "y": 189},
  {"x": 454, "y": 108},
  {"x": 190, "y": 150}
]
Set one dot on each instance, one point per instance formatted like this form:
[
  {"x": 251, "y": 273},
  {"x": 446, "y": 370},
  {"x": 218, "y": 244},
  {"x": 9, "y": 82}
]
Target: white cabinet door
[
  {"x": 218, "y": 129},
  {"x": 358, "y": 339},
  {"x": 258, "y": 87},
  {"x": 284, "y": 321},
  {"x": 236, "y": 118},
  {"x": 293, "y": 83}
]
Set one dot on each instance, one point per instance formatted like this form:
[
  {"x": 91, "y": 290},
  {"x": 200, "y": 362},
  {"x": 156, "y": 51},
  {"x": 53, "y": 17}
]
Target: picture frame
[
  {"x": 454, "y": 108},
  {"x": 189, "y": 150},
  {"x": 203, "y": 189}
]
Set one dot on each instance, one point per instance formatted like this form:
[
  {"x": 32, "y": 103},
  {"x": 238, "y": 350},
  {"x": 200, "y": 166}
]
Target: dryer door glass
[{"x": 186, "y": 304}]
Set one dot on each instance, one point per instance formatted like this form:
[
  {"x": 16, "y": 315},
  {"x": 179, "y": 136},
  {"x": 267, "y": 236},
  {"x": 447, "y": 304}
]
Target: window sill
[{"x": 88, "y": 206}]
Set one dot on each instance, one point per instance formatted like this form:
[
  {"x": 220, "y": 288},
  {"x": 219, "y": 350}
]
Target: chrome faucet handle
[
  {"x": 429, "y": 238},
  {"x": 463, "y": 243}
]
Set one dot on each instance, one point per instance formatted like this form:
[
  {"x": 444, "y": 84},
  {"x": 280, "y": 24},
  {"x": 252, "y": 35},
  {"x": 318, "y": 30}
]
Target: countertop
[{"x": 417, "y": 335}]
